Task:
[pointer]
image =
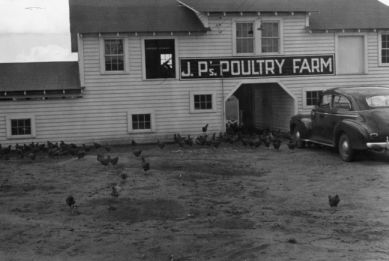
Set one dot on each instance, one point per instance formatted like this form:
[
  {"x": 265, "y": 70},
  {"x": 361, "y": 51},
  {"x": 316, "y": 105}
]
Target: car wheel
[
  {"x": 344, "y": 148},
  {"x": 297, "y": 134}
]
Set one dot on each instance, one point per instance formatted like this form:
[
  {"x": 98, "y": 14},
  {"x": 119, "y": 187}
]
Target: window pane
[
  {"x": 203, "y": 102},
  {"x": 385, "y": 41},
  {"x": 385, "y": 56},
  {"x": 244, "y": 38},
  {"x": 141, "y": 121},
  {"x": 21, "y": 127}
]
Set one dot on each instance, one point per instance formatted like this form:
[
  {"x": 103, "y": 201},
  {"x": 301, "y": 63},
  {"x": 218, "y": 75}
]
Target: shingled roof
[
  {"x": 117, "y": 16},
  {"x": 39, "y": 76},
  {"x": 326, "y": 14}
]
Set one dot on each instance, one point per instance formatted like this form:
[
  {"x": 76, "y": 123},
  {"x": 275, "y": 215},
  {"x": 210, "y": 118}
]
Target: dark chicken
[{"x": 333, "y": 200}]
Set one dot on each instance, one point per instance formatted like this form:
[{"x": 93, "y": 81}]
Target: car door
[
  {"x": 320, "y": 119},
  {"x": 341, "y": 109}
]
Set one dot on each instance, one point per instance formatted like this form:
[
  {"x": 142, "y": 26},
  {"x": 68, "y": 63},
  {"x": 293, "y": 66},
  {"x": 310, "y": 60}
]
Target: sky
[
  {"x": 37, "y": 30},
  {"x": 34, "y": 31}
]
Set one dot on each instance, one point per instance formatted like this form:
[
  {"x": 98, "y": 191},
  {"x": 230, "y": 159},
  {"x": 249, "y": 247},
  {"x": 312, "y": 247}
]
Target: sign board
[{"x": 205, "y": 68}]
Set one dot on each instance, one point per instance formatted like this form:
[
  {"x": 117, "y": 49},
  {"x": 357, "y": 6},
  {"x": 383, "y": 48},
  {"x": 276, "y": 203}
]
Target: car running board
[{"x": 319, "y": 142}]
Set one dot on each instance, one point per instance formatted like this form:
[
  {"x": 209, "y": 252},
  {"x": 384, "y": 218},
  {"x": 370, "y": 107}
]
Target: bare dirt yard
[{"x": 196, "y": 203}]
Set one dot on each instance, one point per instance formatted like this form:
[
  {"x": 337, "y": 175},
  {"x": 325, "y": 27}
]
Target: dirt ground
[{"x": 196, "y": 203}]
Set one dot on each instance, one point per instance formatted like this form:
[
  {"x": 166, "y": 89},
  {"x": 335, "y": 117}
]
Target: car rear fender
[
  {"x": 355, "y": 131},
  {"x": 304, "y": 122}
]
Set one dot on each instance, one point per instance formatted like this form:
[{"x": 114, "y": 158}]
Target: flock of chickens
[{"x": 54, "y": 150}]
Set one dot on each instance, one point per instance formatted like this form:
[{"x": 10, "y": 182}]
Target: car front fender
[{"x": 304, "y": 122}]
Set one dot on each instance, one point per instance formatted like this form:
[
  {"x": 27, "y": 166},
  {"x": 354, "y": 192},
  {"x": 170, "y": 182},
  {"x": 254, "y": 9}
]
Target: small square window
[
  {"x": 203, "y": 102},
  {"x": 141, "y": 122},
  {"x": 313, "y": 97},
  {"x": 20, "y": 127}
]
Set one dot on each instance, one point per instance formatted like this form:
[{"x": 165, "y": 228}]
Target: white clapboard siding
[{"x": 101, "y": 115}]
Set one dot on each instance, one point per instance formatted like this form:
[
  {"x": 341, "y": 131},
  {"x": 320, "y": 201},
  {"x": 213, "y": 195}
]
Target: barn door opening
[{"x": 262, "y": 106}]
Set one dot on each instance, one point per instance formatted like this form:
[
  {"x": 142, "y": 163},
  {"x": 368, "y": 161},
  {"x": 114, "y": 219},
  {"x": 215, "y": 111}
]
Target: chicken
[
  {"x": 114, "y": 161},
  {"x": 123, "y": 176},
  {"x": 105, "y": 161},
  {"x": 71, "y": 202},
  {"x": 97, "y": 145},
  {"x": 205, "y": 128},
  {"x": 277, "y": 144},
  {"x": 115, "y": 190},
  {"x": 32, "y": 155},
  {"x": 160, "y": 144},
  {"x": 189, "y": 141},
  {"x": 80, "y": 154},
  {"x": 99, "y": 157},
  {"x": 333, "y": 200},
  {"x": 145, "y": 164},
  {"x": 133, "y": 143},
  {"x": 292, "y": 144},
  {"x": 137, "y": 153}
]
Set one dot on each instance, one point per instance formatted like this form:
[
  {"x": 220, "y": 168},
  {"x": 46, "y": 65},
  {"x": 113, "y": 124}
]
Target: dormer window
[
  {"x": 256, "y": 37},
  {"x": 244, "y": 37},
  {"x": 270, "y": 37}
]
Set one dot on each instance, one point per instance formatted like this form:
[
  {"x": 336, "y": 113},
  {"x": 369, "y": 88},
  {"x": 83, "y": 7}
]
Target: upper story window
[
  {"x": 244, "y": 37},
  {"x": 384, "y": 43},
  {"x": 160, "y": 58},
  {"x": 270, "y": 37},
  {"x": 113, "y": 55},
  {"x": 350, "y": 54},
  {"x": 257, "y": 36}
]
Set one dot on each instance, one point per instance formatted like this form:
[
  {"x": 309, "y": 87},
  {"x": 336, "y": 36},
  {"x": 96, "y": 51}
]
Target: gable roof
[
  {"x": 39, "y": 76},
  {"x": 117, "y": 16},
  {"x": 249, "y": 5},
  {"x": 326, "y": 14},
  {"x": 350, "y": 14}
]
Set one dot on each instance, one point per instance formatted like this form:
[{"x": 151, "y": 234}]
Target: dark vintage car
[{"x": 349, "y": 119}]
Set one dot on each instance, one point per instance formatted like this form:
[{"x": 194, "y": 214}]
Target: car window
[
  {"x": 325, "y": 102},
  {"x": 378, "y": 101},
  {"x": 341, "y": 104}
]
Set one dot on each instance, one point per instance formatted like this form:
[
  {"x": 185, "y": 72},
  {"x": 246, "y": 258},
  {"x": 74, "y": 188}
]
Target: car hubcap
[{"x": 345, "y": 147}]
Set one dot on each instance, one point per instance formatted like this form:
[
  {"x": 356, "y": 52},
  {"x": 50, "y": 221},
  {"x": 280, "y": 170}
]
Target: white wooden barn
[{"x": 150, "y": 68}]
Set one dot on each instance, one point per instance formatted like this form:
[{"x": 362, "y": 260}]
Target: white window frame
[
  {"x": 364, "y": 35},
  {"x": 304, "y": 95},
  {"x": 380, "y": 63},
  {"x": 19, "y": 117},
  {"x": 152, "y": 121},
  {"x": 102, "y": 55},
  {"x": 177, "y": 68},
  {"x": 191, "y": 97},
  {"x": 281, "y": 39},
  {"x": 258, "y": 35}
]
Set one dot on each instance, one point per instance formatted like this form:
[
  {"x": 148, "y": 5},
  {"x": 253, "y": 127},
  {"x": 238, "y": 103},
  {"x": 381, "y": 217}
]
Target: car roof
[{"x": 358, "y": 90}]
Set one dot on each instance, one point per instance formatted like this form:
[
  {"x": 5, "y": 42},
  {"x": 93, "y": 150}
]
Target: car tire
[
  {"x": 344, "y": 148},
  {"x": 298, "y": 132}
]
